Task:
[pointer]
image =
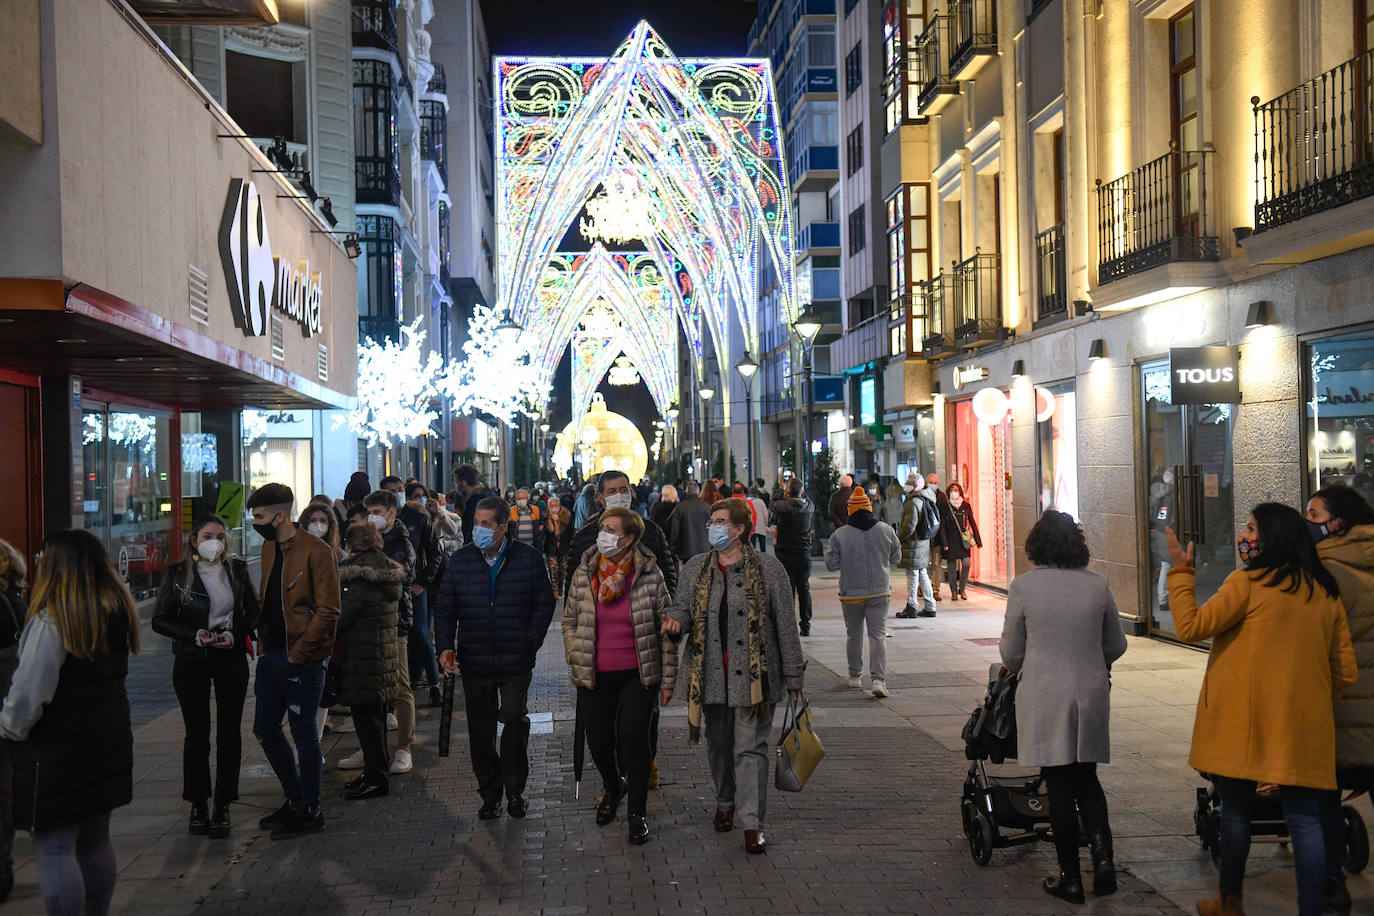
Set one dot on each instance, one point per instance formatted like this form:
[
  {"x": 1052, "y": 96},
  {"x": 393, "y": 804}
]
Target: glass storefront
[
  {"x": 982, "y": 464},
  {"x": 1188, "y": 487},
  {"x": 1340, "y": 412},
  {"x": 1056, "y": 455}
]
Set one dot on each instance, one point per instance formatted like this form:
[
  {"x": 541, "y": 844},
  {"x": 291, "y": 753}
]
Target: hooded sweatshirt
[
  {"x": 1350, "y": 558},
  {"x": 864, "y": 551}
]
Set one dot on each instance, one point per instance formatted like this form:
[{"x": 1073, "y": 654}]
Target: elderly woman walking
[
  {"x": 1061, "y": 634},
  {"x": 743, "y": 655}
]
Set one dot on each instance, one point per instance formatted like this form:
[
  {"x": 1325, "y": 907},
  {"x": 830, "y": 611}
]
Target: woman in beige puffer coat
[{"x": 620, "y": 663}]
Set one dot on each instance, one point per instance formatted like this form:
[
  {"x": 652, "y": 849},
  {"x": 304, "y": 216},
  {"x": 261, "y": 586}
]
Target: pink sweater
[{"x": 615, "y": 635}]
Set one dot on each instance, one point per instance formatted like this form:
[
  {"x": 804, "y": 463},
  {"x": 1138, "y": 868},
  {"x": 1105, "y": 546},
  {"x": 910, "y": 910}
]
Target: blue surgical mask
[
  {"x": 400, "y": 499},
  {"x": 719, "y": 536},
  {"x": 482, "y": 537}
]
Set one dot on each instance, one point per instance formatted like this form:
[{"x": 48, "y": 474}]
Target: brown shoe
[
  {"x": 1223, "y": 905},
  {"x": 754, "y": 843},
  {"x": 653, "y": 774},
  {"x": 725, "y": 821}
]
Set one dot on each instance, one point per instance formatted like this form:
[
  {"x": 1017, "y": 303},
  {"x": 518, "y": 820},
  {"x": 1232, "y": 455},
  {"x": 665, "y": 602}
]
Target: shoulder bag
[
  {"x": 964, "y": 531},
  {"x": 799, "y": 749}
]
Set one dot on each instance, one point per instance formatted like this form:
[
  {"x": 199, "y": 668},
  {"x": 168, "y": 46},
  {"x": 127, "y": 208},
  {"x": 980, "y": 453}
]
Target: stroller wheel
[
  {"x": 981, "y": 834},
  {"x": 1356, "y": 841}
]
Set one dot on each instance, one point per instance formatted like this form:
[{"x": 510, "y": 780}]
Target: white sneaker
[
  {"x": 401, "y": 763},
  {"x": 344, "y": 727},
  {"x": 856, "y": 682},
  {"x": 352, "y": 762},
  {"x": 391, "y": 725},
  {"x": 879, "y": 689}
]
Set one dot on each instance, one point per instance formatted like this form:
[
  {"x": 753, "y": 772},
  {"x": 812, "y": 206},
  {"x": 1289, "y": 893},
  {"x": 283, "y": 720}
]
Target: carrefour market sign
[{"x": 261, "y": 281}]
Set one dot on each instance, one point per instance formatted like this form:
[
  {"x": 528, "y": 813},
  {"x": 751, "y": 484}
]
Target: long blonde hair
[
  {"x": 79, "y": 589},
  {"x": 12, "y": 568}
]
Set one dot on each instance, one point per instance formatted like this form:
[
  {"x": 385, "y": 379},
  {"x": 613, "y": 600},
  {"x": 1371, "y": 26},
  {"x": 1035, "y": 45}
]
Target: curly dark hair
[{"x": 1057, "y": 540}]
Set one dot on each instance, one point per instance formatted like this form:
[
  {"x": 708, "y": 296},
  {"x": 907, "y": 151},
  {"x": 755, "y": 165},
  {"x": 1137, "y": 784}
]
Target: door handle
[{"x": 1199, "y": 525}]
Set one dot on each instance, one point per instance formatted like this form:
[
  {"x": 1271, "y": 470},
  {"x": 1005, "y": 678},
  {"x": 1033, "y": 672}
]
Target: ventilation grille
[
  {"x": 322, "y": 362},
  {"x": 362, "y": 454},
  {"x": 198, "y": 294},
  {"x": 278, "y": 339}
]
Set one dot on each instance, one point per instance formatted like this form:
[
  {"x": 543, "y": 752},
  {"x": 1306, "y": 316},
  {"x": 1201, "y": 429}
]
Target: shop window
[
  {"x": 260, "y": 93},
  {"x": 981, "y": 451},
  {"x": 1056, "y": 457},
  {"x": 1340, "y": 412}
]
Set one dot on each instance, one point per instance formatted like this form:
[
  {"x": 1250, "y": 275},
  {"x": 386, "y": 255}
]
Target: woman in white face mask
[
  {"x": 324, "y": 524},
  {"x": 620, "y": 664},
  {"x": 208, "y": 607}
]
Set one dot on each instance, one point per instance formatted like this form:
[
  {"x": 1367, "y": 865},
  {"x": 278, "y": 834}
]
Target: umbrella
[
  {"x": 446, "y": 715},
  {"x": 579, "y": 746}
]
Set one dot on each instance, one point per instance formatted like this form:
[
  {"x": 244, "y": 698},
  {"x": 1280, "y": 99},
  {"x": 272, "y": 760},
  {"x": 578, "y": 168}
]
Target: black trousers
[
  {"x": 226, "y": 670},
  {"x": 371, "y": 724},
  {"x": 619, "y": 714},
  {"x": 1074, "y": 791},
  {"x": 760, "y": 542},
  {"x": 798, "y": 568},
  {"x": 504, "y": 699}
]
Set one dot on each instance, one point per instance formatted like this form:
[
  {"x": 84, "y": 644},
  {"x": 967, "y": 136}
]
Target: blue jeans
[
  {"x": 1302, "y": 811},
  {"x": 283, "y": 688},
  {"x": 421, "y": 649}
]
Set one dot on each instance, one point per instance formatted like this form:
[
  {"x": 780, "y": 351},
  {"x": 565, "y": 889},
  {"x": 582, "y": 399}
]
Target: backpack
[{"x": 928, "y": 523}]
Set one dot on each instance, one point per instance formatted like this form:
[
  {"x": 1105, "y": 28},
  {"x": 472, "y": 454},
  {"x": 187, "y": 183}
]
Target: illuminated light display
[
  {"x": 395, "y": 389},
  {"x": 497, "y": 378},
  {"x": 601, "y": 441},
  {"x": 623, "y": 374}
]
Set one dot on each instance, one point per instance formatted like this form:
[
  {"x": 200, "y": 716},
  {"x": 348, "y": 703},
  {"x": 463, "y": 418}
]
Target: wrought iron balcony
[
  {"x": 930, "y": 67},
  {"x": 930, "y": 321},
  {"x": 377, "y": 181},
  {"x": 379, "y": 328},
  {"x": 978, "y": 300},
  {"x": 1314, "y": 145},
  {"x": 438, "y": 83},
  {"x": 973, "y": 36},
  {"x": 374, "y": 24},
  {"x": 434, "y": 135},
  {"x": 1052, "y": 303},
  {"x": 1159, "y": 213}
]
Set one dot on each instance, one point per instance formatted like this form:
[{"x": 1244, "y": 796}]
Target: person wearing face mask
[
  {"x": 495, "y": 606},
  {"x": 1342, "y": 524},
  {"x": 615, "y": 492},
  {"x": 557, "y": 539},
  {"x": 961, "y": 536},
  {"x": 526, "y": 521},
  {"x": 208, "y": 608},
  {"x": 299, "y": 597},
  {"x": 620, "y": 662},
  {"x": 919, "y": 533},
  {"x": 321, "y": 521},
  {"x": 429, "y": 560},
  {"x": 1280, "y": 654},
  {"x": 743, "y": 656},
  {"x": 937, "y": 559}
]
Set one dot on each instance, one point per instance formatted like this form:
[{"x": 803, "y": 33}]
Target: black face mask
[
  {"x": 268, "y": 532},
  {"x": 1318, "y": 530}
]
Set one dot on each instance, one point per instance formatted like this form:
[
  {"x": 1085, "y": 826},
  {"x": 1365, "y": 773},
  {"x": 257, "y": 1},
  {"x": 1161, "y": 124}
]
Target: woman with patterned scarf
[
  {"x": 743, "y": 655},
  {"x": 620, "y": 661}
]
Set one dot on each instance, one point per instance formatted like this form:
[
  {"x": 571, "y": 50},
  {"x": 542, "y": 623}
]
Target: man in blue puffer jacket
[{"x": 495, "y": 605}]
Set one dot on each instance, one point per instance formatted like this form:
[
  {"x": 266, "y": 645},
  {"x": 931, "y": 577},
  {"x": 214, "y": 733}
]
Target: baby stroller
[
  {"x": 1268, "y": 826},
  {"x": 992, "y": 803}
]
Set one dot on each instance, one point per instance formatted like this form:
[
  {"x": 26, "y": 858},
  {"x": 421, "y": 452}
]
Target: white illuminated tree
[
  {"x": 497, "y": 377},
  {"x": 395, "y": 388}
]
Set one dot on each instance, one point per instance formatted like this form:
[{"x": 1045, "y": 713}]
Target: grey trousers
[
  {"x": 918, "y": 586},
  {"x": 737, "y": 750},
  {"x": 870, "y": 615}
]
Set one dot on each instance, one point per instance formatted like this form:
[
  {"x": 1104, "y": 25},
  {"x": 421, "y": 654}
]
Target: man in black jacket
[
  {"x": 616, "y": 491},
  {"x": 792, "y": 520},
  {"x": 473, "y": 490},
  {"x": 397, "y": 544},
  {"x": 689, "y": 524},
  {"x": 494, "y": 608}
]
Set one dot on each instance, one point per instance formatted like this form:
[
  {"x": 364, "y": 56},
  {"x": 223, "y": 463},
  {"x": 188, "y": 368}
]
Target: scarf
[
  {"x": 756, "y": 621},
  {"x": 613, "y": 578}
]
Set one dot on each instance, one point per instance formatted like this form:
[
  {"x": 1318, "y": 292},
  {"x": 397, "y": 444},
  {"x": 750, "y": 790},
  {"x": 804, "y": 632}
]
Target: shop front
[
  {"x": 1339, "y": 411},
  {"x": 980, "y": 461}
]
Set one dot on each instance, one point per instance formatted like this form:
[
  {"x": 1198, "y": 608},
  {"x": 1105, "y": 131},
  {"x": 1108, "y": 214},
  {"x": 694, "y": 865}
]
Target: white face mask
[
  {"x": 522, "y": 503},
  {"x": 319, "y": 529},
  {"x": 377, "y": 521},
  {"x": 618, "y": 501},
  {"x": 909, "y": 487},
  {"x": 210, "y": 550},
  {"x": 956, "y": 499},
  {"x": 608, "y": 543}
]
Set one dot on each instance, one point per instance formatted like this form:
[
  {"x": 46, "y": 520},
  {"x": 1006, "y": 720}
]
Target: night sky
[{"x": 692, "y": 28}]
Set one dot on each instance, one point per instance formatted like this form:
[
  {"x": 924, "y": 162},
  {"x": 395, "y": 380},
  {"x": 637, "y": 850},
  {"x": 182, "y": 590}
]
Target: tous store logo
[{"x": 260, "y": 281}]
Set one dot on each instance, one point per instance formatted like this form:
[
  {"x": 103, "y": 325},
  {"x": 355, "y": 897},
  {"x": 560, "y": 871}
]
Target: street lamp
[
  {"x": 507, "y": 331},
  {"x": 706, "y": 392},
  {"x": 808, "y": 326},
  {"x": 746, "y": 369}
]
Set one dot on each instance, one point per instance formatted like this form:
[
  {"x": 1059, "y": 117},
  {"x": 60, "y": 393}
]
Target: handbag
[
  {"x": 799, "y": 748},
  {"x": 966, "y": 535}
]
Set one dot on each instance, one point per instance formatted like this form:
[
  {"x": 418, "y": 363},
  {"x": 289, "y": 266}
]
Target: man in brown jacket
[{"x": 299, "y": 597}]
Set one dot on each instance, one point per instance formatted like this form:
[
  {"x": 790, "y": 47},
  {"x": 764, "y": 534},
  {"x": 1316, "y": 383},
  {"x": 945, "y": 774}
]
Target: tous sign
[
  {"x": 259, "y": 281},
  {"x": 1204, "y": 375}
]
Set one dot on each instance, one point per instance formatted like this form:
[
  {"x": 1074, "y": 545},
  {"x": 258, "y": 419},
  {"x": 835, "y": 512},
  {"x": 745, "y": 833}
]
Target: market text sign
[
  {"x": 259, "y": 281},
  {"x": 1204, "y": 375}
]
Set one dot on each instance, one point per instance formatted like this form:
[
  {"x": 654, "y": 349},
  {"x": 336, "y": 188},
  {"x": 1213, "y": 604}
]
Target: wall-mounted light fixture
[
  {"x": 1018, "y": 369},
  {"x": 1260, "y": 314},
  {"x": 934, "y": 387},
  {"x": 1098, "y": 349}
]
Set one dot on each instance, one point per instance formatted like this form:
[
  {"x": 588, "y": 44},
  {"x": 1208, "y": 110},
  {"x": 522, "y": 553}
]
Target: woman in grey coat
[{"x": 1061, "y": 635}]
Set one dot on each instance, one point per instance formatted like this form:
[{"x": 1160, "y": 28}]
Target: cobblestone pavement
[{"x": 877, "y": 830}]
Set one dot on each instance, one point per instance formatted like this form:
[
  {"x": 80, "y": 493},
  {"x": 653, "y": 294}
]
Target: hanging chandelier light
[
  {"x": 623, "y": 374},
  {"x": 600, "y": 321},
  {"x": 620, "y": 213}
]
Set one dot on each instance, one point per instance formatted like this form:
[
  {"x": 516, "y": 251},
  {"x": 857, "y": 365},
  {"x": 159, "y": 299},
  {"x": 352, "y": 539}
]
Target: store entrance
[
  {"x": 1188, "y": 488},
  {"x": 983, "y": 466}
]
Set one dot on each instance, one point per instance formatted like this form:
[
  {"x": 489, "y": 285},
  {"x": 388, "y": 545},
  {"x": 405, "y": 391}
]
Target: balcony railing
[
  {"x": 930, "y": 316},
  {"x": 978, "y": 300},
  {"x": 1159, "y": 213},
  {"x": 438, "y": 83},
  {"x": 861, "y": 343},
  {"x": 1052, "y": 301},
  {"x": 1314, "y": 145},
  {"x": 379, "y": 327},
  {"x": 973, "y": 36},
  {"x": 377, "y": 181},
  {"x": 930, "y": 67},
  {"x": 814, "y": 165},
  {"x": 374, "y": 24},
  {"x": 434, "y": 135},
  {"x": 818, "y": 235}
]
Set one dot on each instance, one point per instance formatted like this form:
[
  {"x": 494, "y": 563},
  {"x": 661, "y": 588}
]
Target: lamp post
[
  {"x": 674, "y": 439},
  {"x": 807, "y": 326},
  {"x": 706, "y": 392},
  {"x": 746, "y": 369},
  {"x": 543, "y": 445},
  {"x": 508, "y": 333}
]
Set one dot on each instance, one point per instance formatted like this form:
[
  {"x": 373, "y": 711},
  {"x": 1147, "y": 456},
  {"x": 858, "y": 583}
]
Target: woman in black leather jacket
[{"x": 208, "y": 607}]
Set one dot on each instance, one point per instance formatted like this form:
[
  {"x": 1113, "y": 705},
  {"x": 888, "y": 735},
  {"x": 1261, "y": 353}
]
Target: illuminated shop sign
[
  {"x": 1204, "y": 375},
  {"x": 965, "y": 375},
  {"x": 259, "y": 280}
]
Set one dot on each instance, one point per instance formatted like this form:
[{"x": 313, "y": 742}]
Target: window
[
  {"x": 854, "y": 69},
  {"x": 854, "y": 150},
  {"x": 260, "y": 95},
  {"x": 1183, "y": 92},
  {"x": 903, "y": 23},
  {"x": 908, "y": 261},
  {"x": 375, "y": 150},
  {"x": 849, "y": 6},
  {"x": 379, "y": 276},
  {"x": 1339, "y": 421},
  {"x": 857, "y": 232}
]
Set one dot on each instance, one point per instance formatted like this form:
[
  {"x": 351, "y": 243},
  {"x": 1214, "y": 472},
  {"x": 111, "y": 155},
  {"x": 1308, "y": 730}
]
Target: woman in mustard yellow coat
[{"x": 1280, "y": 655}]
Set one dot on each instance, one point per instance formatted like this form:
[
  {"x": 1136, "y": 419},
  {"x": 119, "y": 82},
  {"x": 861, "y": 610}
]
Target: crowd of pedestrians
[{"x": 368, "y": 602}]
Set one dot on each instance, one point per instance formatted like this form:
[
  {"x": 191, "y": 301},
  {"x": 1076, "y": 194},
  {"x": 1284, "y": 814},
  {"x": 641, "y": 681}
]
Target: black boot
[
  {"x": 1065, "y": 887},
  {"x": 1104, "y": 867},
  {"x": 219, "y": 822},
  {"x": 200, "y": 819}
]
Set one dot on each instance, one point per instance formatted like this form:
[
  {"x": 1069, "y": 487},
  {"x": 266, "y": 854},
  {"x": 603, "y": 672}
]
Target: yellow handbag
[{"x": 799, "y": 748}]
